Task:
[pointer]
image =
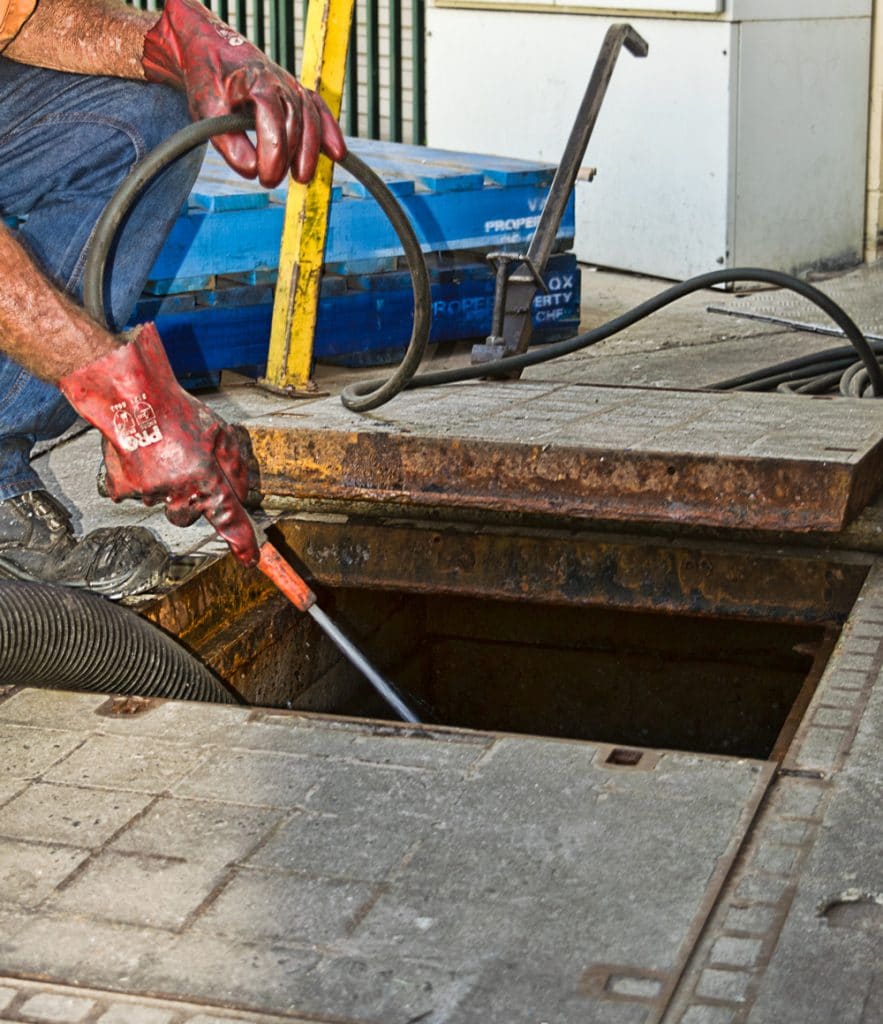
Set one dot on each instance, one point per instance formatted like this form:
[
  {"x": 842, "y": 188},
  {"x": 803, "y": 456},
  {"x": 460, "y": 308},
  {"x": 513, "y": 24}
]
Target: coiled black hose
[
  {"x": 197, "y": 134},
  {"x": 832, "y": 370},
  {"x": 54, "y": 636}
]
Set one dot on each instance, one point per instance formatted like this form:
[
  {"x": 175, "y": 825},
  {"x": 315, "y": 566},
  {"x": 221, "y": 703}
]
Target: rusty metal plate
[
  {"x": 737, "y": 461},
  {"x": 575, "y": 568}
]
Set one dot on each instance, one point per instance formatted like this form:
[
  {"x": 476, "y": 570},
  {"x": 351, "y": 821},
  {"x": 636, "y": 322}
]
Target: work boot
[{"x": 37, "y": 543}]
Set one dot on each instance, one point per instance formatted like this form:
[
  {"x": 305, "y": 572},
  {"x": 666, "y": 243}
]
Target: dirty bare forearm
[
  {"x": 40, "y": 328},
  {"x": 92, "y": 37}
]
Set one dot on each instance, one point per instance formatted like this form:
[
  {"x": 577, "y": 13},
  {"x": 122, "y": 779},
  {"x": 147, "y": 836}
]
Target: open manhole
[
  {"x": 623, "y": 641},
  {"x": 620, "y": 677}
]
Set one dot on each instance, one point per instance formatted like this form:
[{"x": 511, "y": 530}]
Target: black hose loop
[
  {"x": 359, "y": 398},
  {"x": 855, "y": 382},
  {"x": 362, "y": 397},
  {"x": 368, "y": 395},
  {"x": 503, "y": 367},
  {"x": 54, "y": 636}
]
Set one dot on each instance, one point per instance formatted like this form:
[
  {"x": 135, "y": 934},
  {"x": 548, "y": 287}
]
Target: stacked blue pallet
[{"x": 211, "y": 289}]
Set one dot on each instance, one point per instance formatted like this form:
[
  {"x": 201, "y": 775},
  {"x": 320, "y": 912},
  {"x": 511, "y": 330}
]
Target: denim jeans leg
[{"x": 66, "y": 142}]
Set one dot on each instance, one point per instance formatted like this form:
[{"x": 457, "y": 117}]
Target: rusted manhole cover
[{"x": 739, "y": 461}]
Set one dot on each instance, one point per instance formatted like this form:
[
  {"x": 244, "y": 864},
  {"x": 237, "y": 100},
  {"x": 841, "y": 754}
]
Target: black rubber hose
[
  {"x": 823, "y": 361},
  {"x": 197, "y": 134},
  {"x": 502, "y": 367},
  {"x": 55, "y": 636}
]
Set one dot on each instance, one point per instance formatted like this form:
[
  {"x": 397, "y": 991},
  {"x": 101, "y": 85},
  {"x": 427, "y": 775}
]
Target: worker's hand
[
  {"x": 163, "y": 445},
  {"x": 222, "y": 72}
]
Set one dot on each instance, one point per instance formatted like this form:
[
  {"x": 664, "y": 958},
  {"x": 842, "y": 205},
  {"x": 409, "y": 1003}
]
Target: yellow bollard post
[{"x": 301, "y": 254}]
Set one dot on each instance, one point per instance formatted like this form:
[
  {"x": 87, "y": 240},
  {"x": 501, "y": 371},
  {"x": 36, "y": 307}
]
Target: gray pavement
[{"x": 290, "y": 864}]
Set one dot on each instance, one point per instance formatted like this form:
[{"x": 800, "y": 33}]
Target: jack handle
[{"x": 514, "y": 294}]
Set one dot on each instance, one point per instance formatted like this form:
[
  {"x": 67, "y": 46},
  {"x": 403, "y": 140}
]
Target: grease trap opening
[{"x": 615, "y": 676}]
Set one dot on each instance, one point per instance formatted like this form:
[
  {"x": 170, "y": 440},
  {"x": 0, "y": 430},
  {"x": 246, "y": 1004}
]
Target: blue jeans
[{"x": 66, "y": 142}]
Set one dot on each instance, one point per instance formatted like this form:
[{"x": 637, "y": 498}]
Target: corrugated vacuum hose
[{"x": 53, "y": 636}]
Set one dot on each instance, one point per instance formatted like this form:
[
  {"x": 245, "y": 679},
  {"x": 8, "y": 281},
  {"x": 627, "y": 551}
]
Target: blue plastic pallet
[
  {"x": 363, "y": 320},
  {"x": 456, "y": 201},
  {"x": 211, "y": 288}
]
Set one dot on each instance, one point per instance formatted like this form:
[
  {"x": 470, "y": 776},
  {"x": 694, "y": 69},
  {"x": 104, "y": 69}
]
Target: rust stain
[
  {"x": 567, "y": 567},
  {"x": 626, "y": 485},
  {"x": 127, "y": 706}
]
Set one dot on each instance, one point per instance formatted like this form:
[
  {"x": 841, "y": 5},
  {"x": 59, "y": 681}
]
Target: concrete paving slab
[
  {"x": 30, "y": 871},
  {"x": 351, "y": 884},
  {"x": 206, "y": 833},
  {"x": 592, "y": 416},
  {"x": 314, "y": 838},
  {"x": 63, "y": 814},
  {"x": 114, "y": 763},
  {"x": 32, "y": 750}
]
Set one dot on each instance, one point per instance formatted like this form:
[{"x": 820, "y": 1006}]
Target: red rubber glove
[
  {"x": 161, "y": 444},
  {"x": 221, "y": 71}
]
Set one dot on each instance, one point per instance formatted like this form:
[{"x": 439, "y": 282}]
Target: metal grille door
[{"x": 384, "y": 96}]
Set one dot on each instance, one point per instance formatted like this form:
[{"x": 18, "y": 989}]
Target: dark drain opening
[
  {"x": 627, "y": 640},
  {"x": 621, "y": 677},
  {"x": 625, "y": 758}
]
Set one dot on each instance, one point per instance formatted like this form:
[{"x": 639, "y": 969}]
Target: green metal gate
[{"x": 385, "y": 92}]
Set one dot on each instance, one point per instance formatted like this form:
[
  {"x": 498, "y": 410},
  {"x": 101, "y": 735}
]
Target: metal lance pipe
[
  {"x": 298, "y": 591},
  {"x": 385, "y": 689}
]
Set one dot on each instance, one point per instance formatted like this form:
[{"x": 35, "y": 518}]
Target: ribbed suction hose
[{"x": 73, "y": 640}]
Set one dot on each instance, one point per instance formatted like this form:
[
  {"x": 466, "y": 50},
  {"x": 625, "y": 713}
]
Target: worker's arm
[
  {"x": 161, "y": 444},
  {"x": 40, "y": 328},
  {"x": 189, "y": 48},
  {"x": 192, "y": 461}
]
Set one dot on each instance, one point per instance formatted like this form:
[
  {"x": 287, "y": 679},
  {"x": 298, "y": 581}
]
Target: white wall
[{"x": 730, "y": 143}]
